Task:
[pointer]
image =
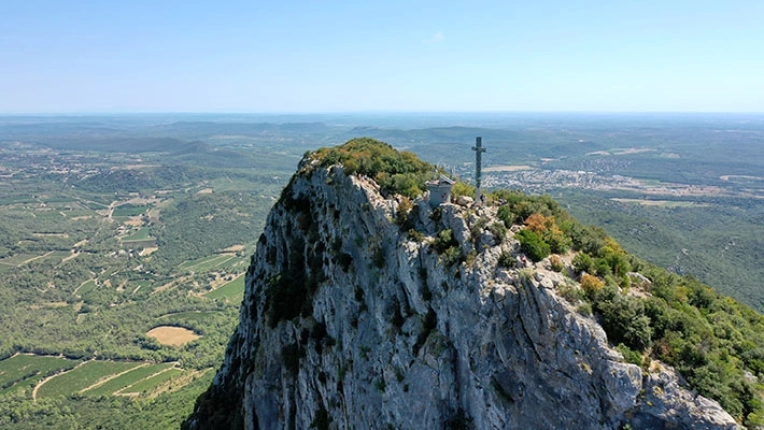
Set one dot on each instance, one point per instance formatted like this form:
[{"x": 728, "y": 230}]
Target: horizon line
[{"x": 380, "y": 112}]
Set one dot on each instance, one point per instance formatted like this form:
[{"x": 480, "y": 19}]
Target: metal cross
[{"x": 479, "y": 150}]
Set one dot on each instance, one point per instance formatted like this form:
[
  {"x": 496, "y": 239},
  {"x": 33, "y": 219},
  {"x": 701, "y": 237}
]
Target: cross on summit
[{"x": 479, "y": 150}]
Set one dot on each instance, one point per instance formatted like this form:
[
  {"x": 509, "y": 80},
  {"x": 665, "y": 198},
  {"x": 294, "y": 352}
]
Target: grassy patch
[
  {"x": 233, "y": 291},
  {"x": 142, "y": 234},
  {"x": 153, "y": 382},
  {"x": 129, "y": 210},
  {"x": 59, "y": 255},
  {"x": 86, "y": 288}
]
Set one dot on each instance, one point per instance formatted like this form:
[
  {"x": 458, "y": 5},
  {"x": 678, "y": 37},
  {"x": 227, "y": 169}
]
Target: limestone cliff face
[{"x": 349, "y": 323}]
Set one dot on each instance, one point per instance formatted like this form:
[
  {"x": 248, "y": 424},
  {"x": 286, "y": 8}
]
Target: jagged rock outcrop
[{"x": 348, "y": 322}]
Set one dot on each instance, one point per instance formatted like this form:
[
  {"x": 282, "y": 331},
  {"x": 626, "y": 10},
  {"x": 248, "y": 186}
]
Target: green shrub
[
  {"x": 507, "y": 260},
  {"x": 631, "y": 356},
  {"x": 451, "y": 256},
  {"x": 415, "y": 235},
  {"x": 462, "y": 189},
  {"x": 444, "y": 240},
  {"x": 402, "y": 212},
  {"x": 601, "y": 267},
  {"x": 505, "y": 214},
  {"x": 624, "y": 321},
  {"x": 584, "y": 309},
  {"x": 582, "y": 262},
  {"x": 571, "y": 293},
  {"x": 589, "y": 239},
  {"x": 477, "y": 227},
  {"x": 499, "y": 231},
  {"x": 533, "y": 245}
]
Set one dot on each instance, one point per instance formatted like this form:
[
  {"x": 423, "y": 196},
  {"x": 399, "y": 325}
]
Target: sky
[{"x": 294, "y": 56}]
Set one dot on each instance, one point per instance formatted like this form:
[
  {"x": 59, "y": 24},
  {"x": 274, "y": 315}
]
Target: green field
[
  {"x": 206, "y": 263},
  {"x": 142, "y": 234},
  {"x": 16, "y": 200},
  {"x": 132, "y": 377},
  {"x": 192, "y": 316},
  {"x": 79, "y": 213},
  {"x": 143, "y": 286},
  {"x": 153, "y": 382},
  {"x": 53, "y": 215},
  {"x": 22, "y": 371},
  {"x": 128, "y": 210},
  {"x": 86, "y": 288},
  {"x": 107, "y": 274},
  {"x": 59, "y": 255},
  {"x": 233, "y": 291},
  {"x": 98, "y": 201},
  {"x": 52, "y": 200},
  {"x": 662, "y": 203},
  {"x": 82, "y": 377},
  {"x": 17, "y": 259}
]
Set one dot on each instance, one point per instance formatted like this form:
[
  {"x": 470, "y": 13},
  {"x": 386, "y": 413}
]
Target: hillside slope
[{"x": 362, "y": 311}]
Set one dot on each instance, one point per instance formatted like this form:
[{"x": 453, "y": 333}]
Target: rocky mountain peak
[{"x": 367, "y": 309}]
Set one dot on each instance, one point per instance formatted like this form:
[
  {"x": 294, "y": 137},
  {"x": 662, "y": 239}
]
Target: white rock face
[{"x": 392, "y": 337}]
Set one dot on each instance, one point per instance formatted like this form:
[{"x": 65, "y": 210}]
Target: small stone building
[{"x": 440, "y": 190}]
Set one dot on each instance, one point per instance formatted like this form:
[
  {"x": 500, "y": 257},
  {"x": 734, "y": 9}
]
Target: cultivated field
[
  {"x": 140, "y": 235},
  {"x": 193, "y": 316},
  {"x": 128, "y": 210},
  {"x": 23, "y": 371},
  {"x": 232, "y": 291},
  {"x": 662, "y": 203},
  {"x": 82, "y": 377},
  {"x": 168, "y": 335},
  {"x": 125, "y": 380},
  {"x": 152, "y": 382},
  {"x": 207, "y": 263}
]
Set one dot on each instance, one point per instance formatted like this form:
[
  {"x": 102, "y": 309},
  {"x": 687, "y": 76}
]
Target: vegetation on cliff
[
  {"x": 395, "y": 172},
  {"x": 715, "y": 342}
]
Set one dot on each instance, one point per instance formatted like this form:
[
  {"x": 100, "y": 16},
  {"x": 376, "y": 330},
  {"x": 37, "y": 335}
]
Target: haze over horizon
[{"x": 296, "y": 56}]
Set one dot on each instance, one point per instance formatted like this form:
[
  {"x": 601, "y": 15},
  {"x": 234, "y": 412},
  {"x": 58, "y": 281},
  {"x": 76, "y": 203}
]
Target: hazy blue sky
[{"x": 319, "y": 56}]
